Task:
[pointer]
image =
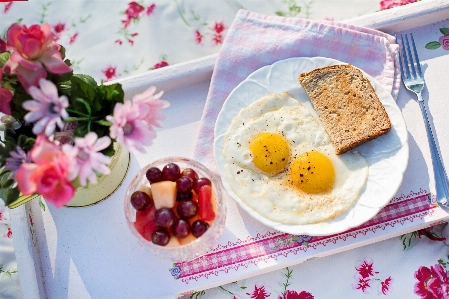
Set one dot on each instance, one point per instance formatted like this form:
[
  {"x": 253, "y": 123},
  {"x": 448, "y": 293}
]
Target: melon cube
[
  {"x": 146, "y": 189},
  {"x": 164, "y": 194},
  {"x": 173, "y": 242},
  {"x": 187, "y": 239}
]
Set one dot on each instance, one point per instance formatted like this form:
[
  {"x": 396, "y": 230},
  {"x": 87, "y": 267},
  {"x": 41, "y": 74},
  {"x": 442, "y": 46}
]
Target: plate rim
[{"x": 301, "y": 229}]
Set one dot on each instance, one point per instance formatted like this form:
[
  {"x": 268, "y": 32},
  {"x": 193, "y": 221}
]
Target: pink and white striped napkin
[{"x": 256, "y": 40}]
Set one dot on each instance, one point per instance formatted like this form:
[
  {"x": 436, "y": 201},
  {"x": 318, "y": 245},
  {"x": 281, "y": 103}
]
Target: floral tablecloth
[{"x": 113, "y": 39}]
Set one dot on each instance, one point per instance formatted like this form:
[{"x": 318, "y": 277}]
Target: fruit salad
[{"x": 174, "y": 206}]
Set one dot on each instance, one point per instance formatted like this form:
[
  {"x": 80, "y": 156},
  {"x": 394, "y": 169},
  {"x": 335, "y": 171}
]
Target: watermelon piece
[
  {"x": 144, "y": 218},
  {"x": 205, "y": 203}
]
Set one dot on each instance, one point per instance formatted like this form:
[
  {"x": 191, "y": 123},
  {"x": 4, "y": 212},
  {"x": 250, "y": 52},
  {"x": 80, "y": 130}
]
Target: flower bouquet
[{"x": 58, "y": 128}]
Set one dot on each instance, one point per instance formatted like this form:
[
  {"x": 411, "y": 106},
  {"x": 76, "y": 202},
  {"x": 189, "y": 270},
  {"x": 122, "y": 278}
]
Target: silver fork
[{"x": 414, "y": 81}]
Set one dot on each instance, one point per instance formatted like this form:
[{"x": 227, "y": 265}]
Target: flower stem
[
  {"x": 89, "y": 118},
  {"x": 77, "y": 112}
]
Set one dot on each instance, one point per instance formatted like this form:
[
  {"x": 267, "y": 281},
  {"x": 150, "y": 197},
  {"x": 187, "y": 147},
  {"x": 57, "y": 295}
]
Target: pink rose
[
  {"x": 5, "y": 97},
  {"x": 134, "y": 9},
  {"x": 47, "y": 175},
  {"x": 387, "y": 4},
  {"x": 444, "y": 41},
  {"x": 2, "y": 46},
  {"x": 33, "y": 49},
  {"x": 160, "y": 64},
  {"x": 295, "y": 295}
]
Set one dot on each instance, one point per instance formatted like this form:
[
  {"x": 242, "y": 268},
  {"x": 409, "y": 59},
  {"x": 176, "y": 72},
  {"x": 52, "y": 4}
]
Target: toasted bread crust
[{"x": 347, "y": 105}]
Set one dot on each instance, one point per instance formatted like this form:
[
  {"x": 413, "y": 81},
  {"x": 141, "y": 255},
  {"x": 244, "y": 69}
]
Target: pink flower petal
[
  {"x": 5, "y": 99},
  {"x": 31, "y": 48},
  {"x": 61, "y": 195},
  {"x": 43, "y": 150},
  {"x": 10, "y": 67},
  {"x": 49, "y": 90},
  {"x": 38, "y": 95},
  {"x": 12, "y": 36},
  {"x": 30, "y": 78},
  {"x": 90, "y": 139},
  {"x": 52, "y": 59},
  {"x": 33, "y": 116},
  {"x": 101, "y": 143},
  {"x": 48, "y": 34},
  {"x": 25, "y": 63},
  {"x": 23, "y": 178}
]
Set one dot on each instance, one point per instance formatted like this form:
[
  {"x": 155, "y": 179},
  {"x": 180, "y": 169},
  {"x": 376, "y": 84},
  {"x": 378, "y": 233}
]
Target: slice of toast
[{"x": 347, "y": 105}]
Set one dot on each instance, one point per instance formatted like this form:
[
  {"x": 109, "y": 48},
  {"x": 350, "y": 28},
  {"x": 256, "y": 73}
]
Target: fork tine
[
  {"x": 401, "y": 64},
  {"x": 412, "y": 59},
  {"x": 404, "y": 57},
  {"x": 418, "y": 64}
]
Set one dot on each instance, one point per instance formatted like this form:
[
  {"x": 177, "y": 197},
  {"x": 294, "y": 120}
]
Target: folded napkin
[{"x": 255, "y": 40}]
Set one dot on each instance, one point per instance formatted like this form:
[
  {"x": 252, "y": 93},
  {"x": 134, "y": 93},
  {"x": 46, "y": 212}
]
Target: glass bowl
[{"x": 197, "y": 247}]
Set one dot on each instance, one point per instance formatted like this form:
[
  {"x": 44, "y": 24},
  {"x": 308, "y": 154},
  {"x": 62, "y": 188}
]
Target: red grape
[
  {"x": 181, "y": 228},
  {"x": 171, "y": 172},
  {"x": 184, "y": 196},
  {"x": 189, "y": 172},
  {"x": 164, "y": 217},
  {"x": 187, "y": 209},
  {"x": 140, "y": 200},
  {"x": 200, "y": 183},
  {"x": 160, "y": 237},
  {"x": 199, "y": 227},
  {"x": 154, "y": 175},
  {"x": 184, "y": 184}
]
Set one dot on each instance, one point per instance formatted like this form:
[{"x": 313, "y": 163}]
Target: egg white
[{"x": 270, "y": 195}]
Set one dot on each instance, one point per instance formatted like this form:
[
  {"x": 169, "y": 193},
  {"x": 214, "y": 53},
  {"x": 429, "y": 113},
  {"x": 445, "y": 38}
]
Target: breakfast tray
[{"x": 90, "y": 252}]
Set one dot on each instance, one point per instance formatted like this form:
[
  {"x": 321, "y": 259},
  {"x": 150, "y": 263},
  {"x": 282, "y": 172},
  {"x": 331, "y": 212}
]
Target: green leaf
[
  {"x": 25, "y": 142},
  {"x": 41, "y": 204},
  {"x": 83, "y": 86},
  {"x": 104, "y": 122},
  {"x": 109, "y": 151},
  {"x": 19, "y": 97},
  {"x": 13, "y": 194},
  {"x": 62, "y": 51},
  {"x": 295, "y": 9},
  {"x": 433, "y": 45},
  {"x": 444, "y": 31},
  {"x": 80, "y": 130},
  {"x": 113, "y": 92},
  {"x": 86, "y": 79},
  {"x": 4, "y": 57},
  {"x": 89, "y": 111},
  {"x": 8, "y": 183},
  {"x": 279, "y": 13}
]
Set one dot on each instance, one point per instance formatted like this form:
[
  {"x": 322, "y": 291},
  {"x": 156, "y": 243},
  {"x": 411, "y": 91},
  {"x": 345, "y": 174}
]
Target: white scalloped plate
[{"x": 387, "y": 155}]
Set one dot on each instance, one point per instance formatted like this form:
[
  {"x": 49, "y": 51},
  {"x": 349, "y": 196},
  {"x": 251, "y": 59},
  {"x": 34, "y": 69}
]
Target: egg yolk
[
  {"x": 313, "y": 172},
  {"x": 270, "y": 152}
]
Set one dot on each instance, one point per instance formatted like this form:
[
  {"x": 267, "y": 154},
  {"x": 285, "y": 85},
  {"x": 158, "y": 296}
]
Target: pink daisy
[
  {"x": 86, "y": 158},
  {"x": 150, "y": 104},
  {"x": 129, "y": 128},
  {"x": 47, "y": 109}
]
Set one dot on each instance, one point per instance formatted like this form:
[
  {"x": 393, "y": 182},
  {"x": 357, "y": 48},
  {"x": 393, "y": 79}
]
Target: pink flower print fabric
[
  {"x": 433, "y": 282},
  {"x": 367, "y": 277}
]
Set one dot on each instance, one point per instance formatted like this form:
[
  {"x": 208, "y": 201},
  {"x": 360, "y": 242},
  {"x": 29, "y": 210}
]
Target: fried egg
[{"x": 280, "y": 161}]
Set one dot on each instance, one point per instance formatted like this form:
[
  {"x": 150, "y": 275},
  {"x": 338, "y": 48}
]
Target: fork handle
[{"x": 441, "y": 181}]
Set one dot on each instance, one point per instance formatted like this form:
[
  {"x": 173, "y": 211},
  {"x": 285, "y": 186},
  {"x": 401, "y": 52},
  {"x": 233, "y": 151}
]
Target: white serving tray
[{"x": 90, "y": 253}]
